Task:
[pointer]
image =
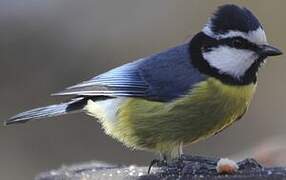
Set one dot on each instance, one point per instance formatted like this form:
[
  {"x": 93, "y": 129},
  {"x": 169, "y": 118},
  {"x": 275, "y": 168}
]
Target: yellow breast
[
  {"x": 217, "y": 105},
  {"x": 207, "y": 109}
]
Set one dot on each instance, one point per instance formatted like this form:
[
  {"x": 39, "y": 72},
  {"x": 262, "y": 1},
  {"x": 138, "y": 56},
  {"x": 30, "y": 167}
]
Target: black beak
[{"x": 267, "y": 50}]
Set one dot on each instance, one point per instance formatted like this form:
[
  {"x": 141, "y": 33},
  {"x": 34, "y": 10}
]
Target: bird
[{"x": 179, "y": 96}]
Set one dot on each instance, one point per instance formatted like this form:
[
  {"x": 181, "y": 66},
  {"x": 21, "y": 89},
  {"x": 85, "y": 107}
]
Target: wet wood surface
[{"x": 191, "y": 167}]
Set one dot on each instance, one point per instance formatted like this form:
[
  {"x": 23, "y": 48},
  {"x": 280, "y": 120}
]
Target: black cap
[{"x": 232, "y": 17}]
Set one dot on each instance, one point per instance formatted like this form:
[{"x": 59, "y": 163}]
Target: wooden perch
[{"x": 191, "y": 167}]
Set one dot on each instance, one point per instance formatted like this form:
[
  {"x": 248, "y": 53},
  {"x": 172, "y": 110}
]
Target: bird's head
[{"x": 231, "y": 46}]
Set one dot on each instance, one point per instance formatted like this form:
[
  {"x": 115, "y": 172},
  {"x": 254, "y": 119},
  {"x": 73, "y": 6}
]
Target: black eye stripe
[{"x": 245, "y": 44}]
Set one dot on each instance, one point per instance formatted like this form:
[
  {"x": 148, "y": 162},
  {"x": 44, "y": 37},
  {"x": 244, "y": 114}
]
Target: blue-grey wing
[
  {"x": 121, "y": 81},
  {"x": 162, "y": 77}
]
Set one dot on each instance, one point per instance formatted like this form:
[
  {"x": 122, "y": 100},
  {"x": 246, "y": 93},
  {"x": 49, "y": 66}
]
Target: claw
[
  {"x": 153, "y": 162},
  {"x": 157, "y": 162}
]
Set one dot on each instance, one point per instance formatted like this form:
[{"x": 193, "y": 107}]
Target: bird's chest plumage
[
  {"x": 207, "y": 109},
  {"x": 211, "y": 107}
]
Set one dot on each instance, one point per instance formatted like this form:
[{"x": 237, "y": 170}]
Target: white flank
[{"x": 105, "y": 111}]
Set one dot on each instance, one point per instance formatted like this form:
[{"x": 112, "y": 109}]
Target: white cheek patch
[
  {"x": 234, "y": 62},
  {"x": 257, "y": 36}
]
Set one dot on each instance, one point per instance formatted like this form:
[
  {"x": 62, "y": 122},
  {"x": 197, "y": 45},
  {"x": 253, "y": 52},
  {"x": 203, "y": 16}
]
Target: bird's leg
[
  {"x": 158, "y": 162},
  {"x": 181, "y": 153},
  {"x": 181, "y": 157}
]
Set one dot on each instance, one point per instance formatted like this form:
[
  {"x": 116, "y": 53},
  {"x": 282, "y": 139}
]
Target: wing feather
[
  {"x": 160, "y": 77},
  {"x": 122, "y": 81}
]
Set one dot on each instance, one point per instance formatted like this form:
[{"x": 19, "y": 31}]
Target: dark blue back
[
  {"x": 170, "y": 74},
  {"x": 161, "y": 77}
]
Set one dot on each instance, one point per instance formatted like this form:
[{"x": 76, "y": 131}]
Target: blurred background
[{"x": 47, "y": 45}]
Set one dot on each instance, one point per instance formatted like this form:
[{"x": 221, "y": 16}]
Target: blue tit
[{"x": 179, "y": 96}]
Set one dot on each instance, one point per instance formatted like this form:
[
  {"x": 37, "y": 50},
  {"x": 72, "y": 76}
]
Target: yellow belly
[{"x": 207, "y": 109}]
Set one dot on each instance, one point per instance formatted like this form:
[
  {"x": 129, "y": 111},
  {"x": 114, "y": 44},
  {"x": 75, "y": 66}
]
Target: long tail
[{"x": 75, "y": 105}]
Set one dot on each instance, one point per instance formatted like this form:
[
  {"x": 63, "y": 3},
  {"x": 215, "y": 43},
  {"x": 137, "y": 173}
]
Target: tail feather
[{"x": 47, "y": 111}]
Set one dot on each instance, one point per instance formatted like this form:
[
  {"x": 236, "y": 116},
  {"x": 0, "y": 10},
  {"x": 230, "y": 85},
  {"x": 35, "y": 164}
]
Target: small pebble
[{"x": 226, "y": 166}]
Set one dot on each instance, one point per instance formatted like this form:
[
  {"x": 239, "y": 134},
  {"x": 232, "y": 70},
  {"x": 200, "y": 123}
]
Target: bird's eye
[
  {"x": 237, "y": 43},
  {"x": 206, "y": 48}
]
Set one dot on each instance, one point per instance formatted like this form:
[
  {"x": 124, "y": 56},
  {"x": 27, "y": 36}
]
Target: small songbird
[{"x": 179, "y": 96}]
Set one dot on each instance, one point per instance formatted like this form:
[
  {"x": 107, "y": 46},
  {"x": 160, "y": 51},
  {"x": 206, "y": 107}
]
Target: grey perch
[{"x": 192, "y": 167}]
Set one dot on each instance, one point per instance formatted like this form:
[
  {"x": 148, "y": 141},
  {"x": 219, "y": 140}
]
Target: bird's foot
[
  {"x": 199, "y": 159},
  {"x": 158, "y": 163},
  {"x": 180, "y": 161},
  {"x": 195, "y": 161}
]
